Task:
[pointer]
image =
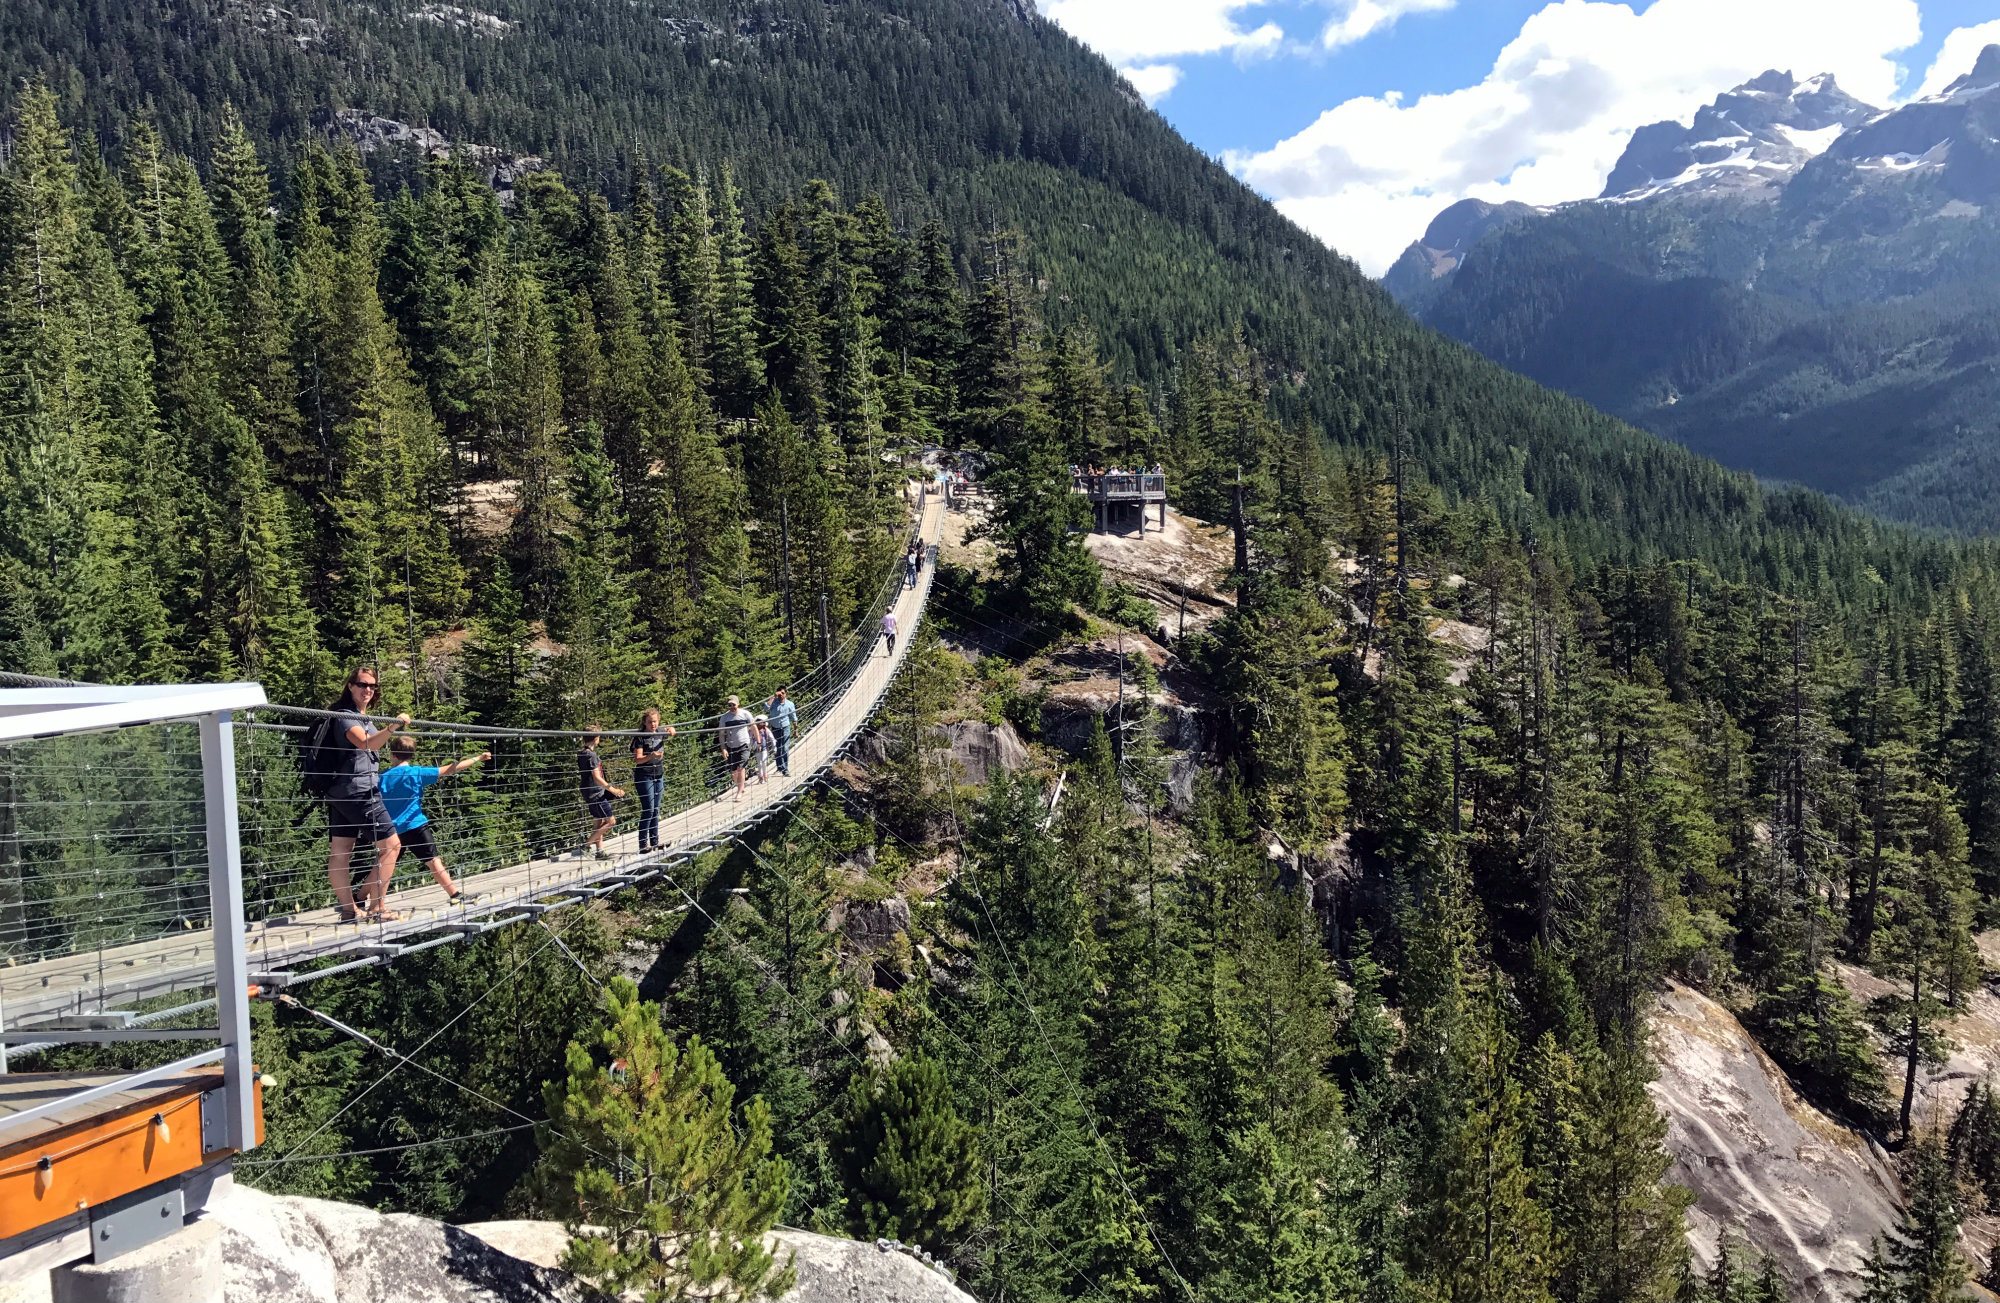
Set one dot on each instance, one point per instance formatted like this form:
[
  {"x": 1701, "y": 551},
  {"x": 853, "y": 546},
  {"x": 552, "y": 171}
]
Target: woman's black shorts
[
  {"x": 365, "y": 819},
  {"x": 598, "y": 803}
]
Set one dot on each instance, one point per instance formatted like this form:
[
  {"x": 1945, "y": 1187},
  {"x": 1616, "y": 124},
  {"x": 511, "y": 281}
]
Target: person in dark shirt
[
  {"x": 649, "y": 751},
  {"x": 597, "y": 793},
  {"x": 354, "y": 809}
]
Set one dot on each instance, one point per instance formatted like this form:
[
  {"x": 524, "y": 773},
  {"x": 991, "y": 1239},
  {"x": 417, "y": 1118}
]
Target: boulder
[
  {"x": 979, "y": 750},
  {"x": 870, "y": 925}
]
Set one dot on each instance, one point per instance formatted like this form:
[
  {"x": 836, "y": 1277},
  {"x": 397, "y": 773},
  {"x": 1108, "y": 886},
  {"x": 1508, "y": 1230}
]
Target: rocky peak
[
  {"x": 1452, "y": 233},
  {"x": 1949, "y": 141},
  {"x": 1985, "y": 75},
  {"x": 1751, "y": 138},
  {"x": 1469, "y": 221}
]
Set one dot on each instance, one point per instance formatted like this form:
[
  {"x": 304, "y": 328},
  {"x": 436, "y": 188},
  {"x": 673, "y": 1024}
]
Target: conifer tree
[
  {"x": 644, "y": 1141},
  {"x": 735, "y": 362},
  {"x": 911, "y": 1160},
  {"x": 1928, "y": 945},
  {"x": 1921, "y": 1262}
]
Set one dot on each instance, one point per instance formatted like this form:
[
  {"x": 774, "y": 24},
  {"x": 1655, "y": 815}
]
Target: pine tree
[
  {"x": 644, "y": 1143},
  {"x": 911, "y": 1161},
  {"x": 1928, "y": 945},
  {"x": 736, "y": 364},
  {"x": 1921, "y": 1262}
]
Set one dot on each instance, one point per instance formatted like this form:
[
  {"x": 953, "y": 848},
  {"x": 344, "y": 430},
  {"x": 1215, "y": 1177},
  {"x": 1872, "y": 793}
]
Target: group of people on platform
[
  {"x": 367, "y": 804},
  {"x": 1093, "y": 472}
]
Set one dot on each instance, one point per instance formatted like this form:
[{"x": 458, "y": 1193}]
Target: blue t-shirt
[
  {"x": 783, "y": 715},
  {"x": 403, "y": 793}
]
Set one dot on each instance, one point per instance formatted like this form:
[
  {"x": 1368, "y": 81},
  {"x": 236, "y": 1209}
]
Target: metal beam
[{"x": 225, "y": 910}]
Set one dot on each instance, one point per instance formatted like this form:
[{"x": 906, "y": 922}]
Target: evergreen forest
[{"x": 1360, "y": 1011}]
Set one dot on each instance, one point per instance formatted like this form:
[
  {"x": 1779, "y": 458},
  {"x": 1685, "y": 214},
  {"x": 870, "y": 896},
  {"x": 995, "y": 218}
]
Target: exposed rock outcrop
[
  {"x": 280, "y": 1249},
  {"x": 284, "y": 1249},
  {"x": 979, "y": 750},
  {"x": 869, "y": 925},
  {"x": 830, "y": 1270},
  {"x": 1762, "y": 1162}
]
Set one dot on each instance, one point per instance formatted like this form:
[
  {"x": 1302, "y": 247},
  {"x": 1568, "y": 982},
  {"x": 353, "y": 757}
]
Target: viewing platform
[{"x": 1121, "y": 500}]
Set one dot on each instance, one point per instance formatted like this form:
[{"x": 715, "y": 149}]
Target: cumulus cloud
[
  {"x": 1957, "y": 55},
  {"x": 1152, "y": 80},
  {"x": 1563, "y": 98},
  {"x": 1135, "y": 32},
  {"x": 1356, "y": 20}
]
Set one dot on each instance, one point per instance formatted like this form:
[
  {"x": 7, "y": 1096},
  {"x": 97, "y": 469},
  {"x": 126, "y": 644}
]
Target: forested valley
[{"x": 530, "y": 460}]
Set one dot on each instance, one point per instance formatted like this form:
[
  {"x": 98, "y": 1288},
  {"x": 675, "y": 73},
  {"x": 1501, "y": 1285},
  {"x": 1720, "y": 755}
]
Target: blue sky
[{"x": 1363, "y": 118}]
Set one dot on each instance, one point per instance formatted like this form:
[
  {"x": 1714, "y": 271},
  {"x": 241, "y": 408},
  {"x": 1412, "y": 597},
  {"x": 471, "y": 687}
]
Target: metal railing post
[{"x": 225, "y": 908}]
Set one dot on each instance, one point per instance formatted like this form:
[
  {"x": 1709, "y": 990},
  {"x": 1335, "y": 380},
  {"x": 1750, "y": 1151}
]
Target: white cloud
[
  {"x": 1142, "y": 36},
  {"x": 1152, "y": 80},
  {"x": 1549, "y": 121},
  {"x": 1957, "y": 55},
  {"x": 1133, "y": 32},
  {"x": 1360, "y": 19}
]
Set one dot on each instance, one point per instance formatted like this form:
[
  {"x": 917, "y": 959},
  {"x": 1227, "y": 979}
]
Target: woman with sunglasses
[{"x": 354, "y": 809}]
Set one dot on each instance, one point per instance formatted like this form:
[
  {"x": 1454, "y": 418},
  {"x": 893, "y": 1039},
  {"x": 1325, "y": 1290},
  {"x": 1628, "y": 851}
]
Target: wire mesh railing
[{"x": 103, "y": 835}]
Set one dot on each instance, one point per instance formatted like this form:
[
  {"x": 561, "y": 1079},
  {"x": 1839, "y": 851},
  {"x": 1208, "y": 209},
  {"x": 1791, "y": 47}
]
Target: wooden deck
[{"x": 114, "y": 978}]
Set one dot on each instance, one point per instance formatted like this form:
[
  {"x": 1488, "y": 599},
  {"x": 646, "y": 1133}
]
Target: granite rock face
[
  {"x": 1763, "y": 1163},
  {"x": 284, "y": 1249}
]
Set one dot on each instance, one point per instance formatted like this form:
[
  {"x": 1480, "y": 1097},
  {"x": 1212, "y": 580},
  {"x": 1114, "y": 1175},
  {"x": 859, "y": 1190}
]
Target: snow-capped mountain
[
  {"x": 1753, "y": 138},
  {"x": 1793, "y": 282},
  {"x": 1953, "y": 136}
]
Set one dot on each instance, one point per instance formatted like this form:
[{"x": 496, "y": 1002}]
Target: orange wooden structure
[{"x": 82, "y": 1158}]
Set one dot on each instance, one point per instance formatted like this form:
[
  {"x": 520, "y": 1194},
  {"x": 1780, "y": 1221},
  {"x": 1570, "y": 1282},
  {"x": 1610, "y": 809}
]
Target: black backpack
[{"x": 320, "y": 766}]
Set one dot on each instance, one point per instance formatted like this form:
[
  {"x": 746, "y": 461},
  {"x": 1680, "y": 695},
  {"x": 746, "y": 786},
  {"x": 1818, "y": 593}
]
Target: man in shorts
[
  {"x": 354, "y": 810},
  {"x": 403, "y": 786},
  {"x": 597, "y": 793},
  {"x": 734, "y": 732}
]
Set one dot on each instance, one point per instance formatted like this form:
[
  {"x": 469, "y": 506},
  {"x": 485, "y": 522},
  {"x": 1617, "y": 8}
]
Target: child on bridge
[{"x": 403, "y": 786}]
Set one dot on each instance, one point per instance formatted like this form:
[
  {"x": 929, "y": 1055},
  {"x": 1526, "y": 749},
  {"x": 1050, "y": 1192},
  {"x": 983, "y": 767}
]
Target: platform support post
[{"x": 225, "y": 911}]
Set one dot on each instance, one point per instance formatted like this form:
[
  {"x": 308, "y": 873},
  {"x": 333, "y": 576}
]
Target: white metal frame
[{"x": 30, "y": 713}]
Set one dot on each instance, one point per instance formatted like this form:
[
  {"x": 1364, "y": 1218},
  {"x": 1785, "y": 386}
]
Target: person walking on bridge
[
  {"x": 649, "y": 750},
  {"x": 344, "y": 752},
  {"x": 783, "y": 716},
  {"x": 735, "y": 729},
  {"x": 403, "y": 787},
  {"x": 597, "y": 793},
  {"x": 889, "y": 631}
]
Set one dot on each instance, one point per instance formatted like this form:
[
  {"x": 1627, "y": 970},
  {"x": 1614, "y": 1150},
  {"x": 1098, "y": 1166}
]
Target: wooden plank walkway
[{"x": 114, "y": 978}]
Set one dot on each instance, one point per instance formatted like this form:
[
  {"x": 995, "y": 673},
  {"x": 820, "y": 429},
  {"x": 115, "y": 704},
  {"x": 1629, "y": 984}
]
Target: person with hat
[{"x": 735, "y": 734}]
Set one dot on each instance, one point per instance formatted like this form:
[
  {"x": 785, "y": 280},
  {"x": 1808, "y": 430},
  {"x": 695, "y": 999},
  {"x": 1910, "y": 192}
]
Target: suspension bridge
[{"x": 157, "y": 841}]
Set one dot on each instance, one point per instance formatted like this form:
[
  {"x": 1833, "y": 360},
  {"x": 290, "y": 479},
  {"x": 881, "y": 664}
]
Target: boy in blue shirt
[{"x": 403, "y": 787}]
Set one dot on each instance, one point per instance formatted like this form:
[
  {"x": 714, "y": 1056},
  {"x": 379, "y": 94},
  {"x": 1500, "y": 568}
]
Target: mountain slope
[
  {"x": 1795, "y": 284},
  {"x": 980, "y": 112}
]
